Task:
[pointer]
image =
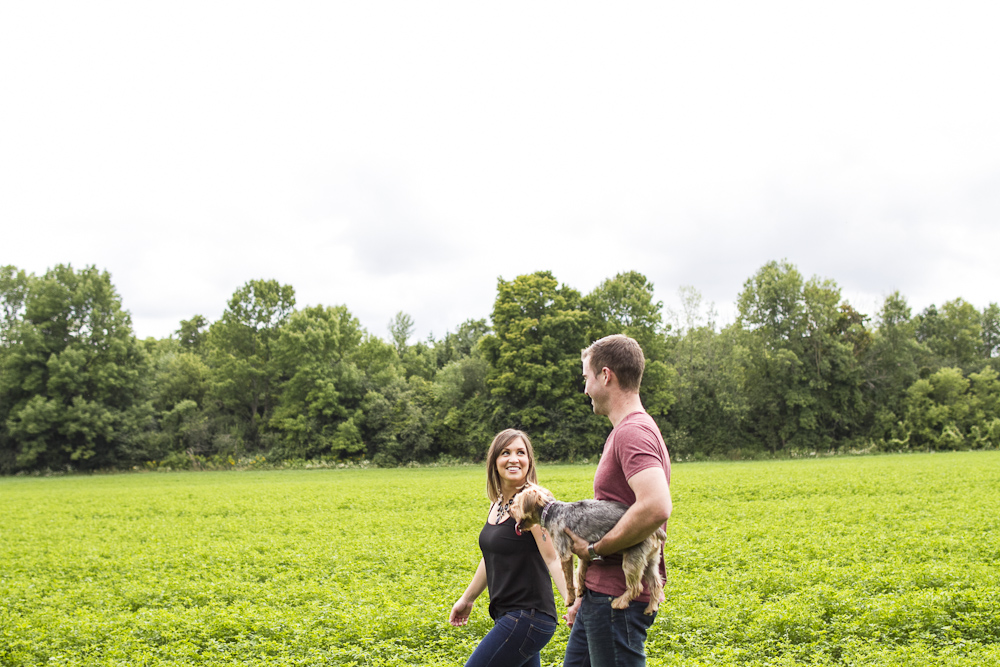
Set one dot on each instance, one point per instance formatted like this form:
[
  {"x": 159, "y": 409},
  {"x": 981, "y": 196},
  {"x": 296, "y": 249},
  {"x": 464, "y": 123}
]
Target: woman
[{"x": 513, "y": 566}]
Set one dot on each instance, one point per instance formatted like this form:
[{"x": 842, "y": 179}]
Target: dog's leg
[
  {"x": 653, "y": 580},
  {"x": 652, "y": 574},
  {"x": 633, "y": 564},
  {"x": 567, "y": 565},
  {"x": 581, "y": 577}
]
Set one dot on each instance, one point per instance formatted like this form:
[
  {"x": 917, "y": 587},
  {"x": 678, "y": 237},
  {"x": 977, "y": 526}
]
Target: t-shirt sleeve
[{"x": 637, "y": 450}]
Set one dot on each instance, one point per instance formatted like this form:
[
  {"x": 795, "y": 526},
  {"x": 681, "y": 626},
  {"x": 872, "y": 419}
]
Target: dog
[{"x": 591, "y": 520}]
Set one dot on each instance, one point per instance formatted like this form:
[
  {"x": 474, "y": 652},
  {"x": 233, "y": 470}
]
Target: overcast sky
[{"x": 403, "y": 156}]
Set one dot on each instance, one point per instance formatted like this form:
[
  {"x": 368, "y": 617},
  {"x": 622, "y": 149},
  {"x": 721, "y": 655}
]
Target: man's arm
[{"x": 651, "y": 509}]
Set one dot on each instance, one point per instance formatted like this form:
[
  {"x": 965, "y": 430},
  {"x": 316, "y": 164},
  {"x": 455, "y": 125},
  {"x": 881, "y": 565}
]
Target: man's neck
[{"x": 626, "y": 404}]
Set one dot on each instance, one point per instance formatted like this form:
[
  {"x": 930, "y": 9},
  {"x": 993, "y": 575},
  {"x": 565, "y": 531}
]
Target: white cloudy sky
[{"x": 403, "y": 156}]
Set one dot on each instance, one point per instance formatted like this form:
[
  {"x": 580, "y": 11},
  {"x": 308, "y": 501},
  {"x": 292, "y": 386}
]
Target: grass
[{"x": 885, "y": 560}]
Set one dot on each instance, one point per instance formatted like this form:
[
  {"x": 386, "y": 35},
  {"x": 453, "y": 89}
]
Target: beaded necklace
[{"x": 504, "y": 509}]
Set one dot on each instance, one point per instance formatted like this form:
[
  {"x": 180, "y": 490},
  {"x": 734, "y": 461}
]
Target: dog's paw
[
  {"x": 569, "y": 600},
  {"x": 620, "y": 602}
]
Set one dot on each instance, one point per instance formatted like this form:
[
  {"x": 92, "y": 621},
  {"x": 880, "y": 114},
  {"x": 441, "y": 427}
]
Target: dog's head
[{"x": 527, "y": 506}]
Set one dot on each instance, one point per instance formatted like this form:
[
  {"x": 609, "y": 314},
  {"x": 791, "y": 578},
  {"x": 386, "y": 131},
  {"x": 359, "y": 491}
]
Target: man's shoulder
[
  {"x": 639, "y": 445},
  {"x": 638, "y": 426}
]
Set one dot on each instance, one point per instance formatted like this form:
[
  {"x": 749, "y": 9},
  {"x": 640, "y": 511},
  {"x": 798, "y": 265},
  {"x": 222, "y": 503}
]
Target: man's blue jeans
[
  {"x": 515, "y": 640},
  {"x": 606, "y": 637}
]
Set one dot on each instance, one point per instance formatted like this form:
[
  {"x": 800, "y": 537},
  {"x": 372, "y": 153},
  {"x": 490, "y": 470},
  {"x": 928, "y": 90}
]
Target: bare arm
[
  {"x": 651, "y": 509},
  {"x": 463, "y": 608},
  {"x": 551, "y": 559}
]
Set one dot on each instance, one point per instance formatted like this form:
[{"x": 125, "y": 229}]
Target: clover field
[{"x": 882, "y": 560}]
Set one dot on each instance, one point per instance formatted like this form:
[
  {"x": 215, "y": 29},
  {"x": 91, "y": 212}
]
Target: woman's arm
[
  {"x": 551, "y": 559},
  {"x": 463, "y": 608}
]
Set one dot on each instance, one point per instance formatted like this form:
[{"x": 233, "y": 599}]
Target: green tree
[
  {"x": 949, "y": 411},
  {"x": 462, "y": 342},
  {"x": 624, "y": 304},
  {"x": 401, "y": 328},
  {"x": 891, "y": 364},
  {"x": 396, "y": 425},
  {"x": 318, "y": 411},
  {"x": 13, "y": 294},
  {"x": 803, "y": 377},
  {"x": 539, "y": 329},
  {"x": 990, "y": 331},
  {"x": 378, "y": 362},
  {"x": 461, "y": 402},
  {"x": 953, "y": 334},
  {"x": 707, "y": 419},
  {"x": 177, "y": 387},
  {"x": 179, "y": 376},
  {"x": 395, "y": 413},
  {"x": 241, "y": 352},
  {"x": 71, "y": 373},
  {"x": 193, "y": 333},
  {"x": 420, "y": 359},
  {"x": 772, "y": 315}
]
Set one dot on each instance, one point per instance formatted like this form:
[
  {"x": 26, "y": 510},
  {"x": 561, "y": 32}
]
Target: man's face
[{"x": 594, "y": 387}]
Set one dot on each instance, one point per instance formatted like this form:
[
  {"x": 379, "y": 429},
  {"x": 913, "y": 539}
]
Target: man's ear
[{"x": 608, "y": 374}]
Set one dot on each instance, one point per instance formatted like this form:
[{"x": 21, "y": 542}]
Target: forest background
[{"x": 799, "y": 372}]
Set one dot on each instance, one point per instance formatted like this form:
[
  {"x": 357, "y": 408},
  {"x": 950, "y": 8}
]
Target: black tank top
[{"x": 515, "y": 571}]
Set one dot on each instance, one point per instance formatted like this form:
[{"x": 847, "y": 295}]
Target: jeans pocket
[
  {"x": 537, "y": 636},
  {"x": 600, "y": 599}
]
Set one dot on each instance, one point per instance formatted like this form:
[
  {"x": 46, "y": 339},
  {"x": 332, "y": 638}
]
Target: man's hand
[{"x": 579, "y": 546}]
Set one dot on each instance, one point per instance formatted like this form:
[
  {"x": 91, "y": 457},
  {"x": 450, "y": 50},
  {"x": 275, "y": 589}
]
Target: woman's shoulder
[{"x": 489, "y": 514}]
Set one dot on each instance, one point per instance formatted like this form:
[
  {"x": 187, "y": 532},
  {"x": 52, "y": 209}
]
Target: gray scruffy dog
[{"x": 591, "y": 520}]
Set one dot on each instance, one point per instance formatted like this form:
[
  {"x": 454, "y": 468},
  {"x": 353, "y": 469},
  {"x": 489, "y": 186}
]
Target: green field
[{"x": 887, "y": 560}]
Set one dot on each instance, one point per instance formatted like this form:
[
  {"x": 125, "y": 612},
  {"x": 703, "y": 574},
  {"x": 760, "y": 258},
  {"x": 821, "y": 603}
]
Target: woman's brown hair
[{"x": 502, "y": 439}]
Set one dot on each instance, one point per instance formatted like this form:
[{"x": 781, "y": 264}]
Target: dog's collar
[{"x": 545, "y": 510}]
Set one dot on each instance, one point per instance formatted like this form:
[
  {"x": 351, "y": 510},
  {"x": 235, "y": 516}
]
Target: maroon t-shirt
[{"x": 633, "y": 446}]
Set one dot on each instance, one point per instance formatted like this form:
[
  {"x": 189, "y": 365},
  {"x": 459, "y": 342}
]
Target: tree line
[{"x": 799, "y": 371}]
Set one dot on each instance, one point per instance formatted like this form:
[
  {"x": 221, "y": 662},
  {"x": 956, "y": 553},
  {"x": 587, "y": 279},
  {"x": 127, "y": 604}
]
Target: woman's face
[{"x": 513, "y": 462}]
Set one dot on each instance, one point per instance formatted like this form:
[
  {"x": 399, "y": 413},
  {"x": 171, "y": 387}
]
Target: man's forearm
[
  {"x": 638, "y": 523},
  {"x": 651, "y": 510}
]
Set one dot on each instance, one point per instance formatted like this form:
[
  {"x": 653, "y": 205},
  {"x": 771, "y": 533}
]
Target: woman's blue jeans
[
  {"x": 515, "y": 640},
  {"x": 606, "y": 637}
]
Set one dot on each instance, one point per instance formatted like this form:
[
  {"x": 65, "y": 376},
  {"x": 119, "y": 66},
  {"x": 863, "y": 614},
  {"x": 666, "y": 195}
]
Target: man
[{"x": 635, "y": 470}]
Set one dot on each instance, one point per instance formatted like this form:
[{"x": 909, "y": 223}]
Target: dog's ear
[
  {"x": 522, "y": 504},
  {"x": 543, "y": 496}
]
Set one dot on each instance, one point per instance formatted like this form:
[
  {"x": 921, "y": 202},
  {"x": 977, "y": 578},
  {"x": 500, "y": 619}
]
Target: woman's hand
[
  {"x": 460, "y": 612},
  {"x": 463, "y": 608},
  {"x": 570, "y": 615}
]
